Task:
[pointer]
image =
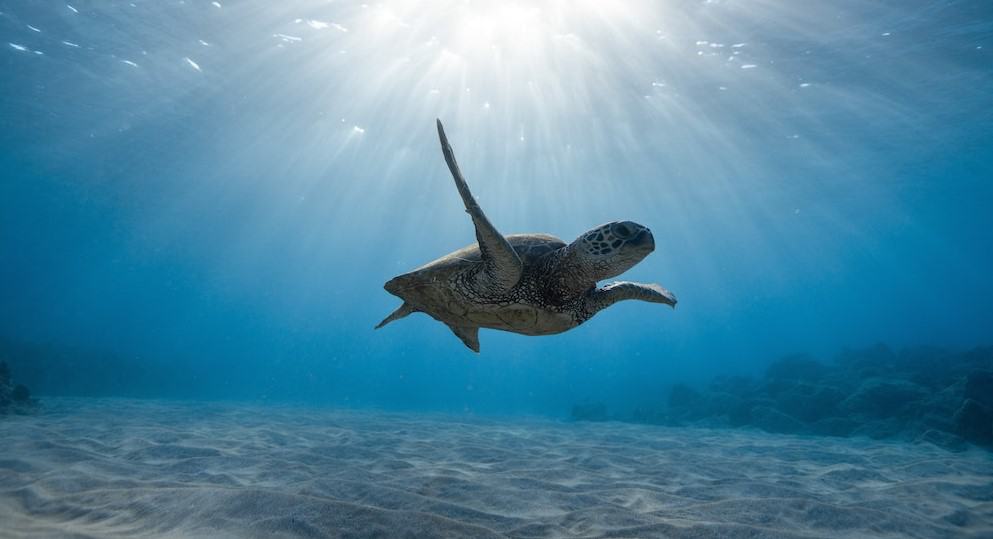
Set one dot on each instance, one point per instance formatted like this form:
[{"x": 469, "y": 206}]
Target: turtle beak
[{"x": 644, "y": 241}]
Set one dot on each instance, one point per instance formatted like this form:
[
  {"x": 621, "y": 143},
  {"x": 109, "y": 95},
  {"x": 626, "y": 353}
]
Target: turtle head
[{"x": 611, "y": 249}]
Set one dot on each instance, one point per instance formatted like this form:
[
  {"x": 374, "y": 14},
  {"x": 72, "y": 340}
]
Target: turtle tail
[{"x": 399, "y": 313}]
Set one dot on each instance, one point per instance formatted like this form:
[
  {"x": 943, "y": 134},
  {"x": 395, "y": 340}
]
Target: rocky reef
[
  {"x": 14, "y": 398},
  {"x": 923, "y": 394},
  {"x": 590, "y": 411}
]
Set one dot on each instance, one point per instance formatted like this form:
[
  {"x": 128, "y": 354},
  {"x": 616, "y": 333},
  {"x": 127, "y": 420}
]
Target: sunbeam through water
[{"x": 205, "y": 198}]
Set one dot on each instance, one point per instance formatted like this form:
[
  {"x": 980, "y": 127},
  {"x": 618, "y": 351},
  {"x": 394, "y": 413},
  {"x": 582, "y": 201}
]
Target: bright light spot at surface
[{"x": 502, "y": 25}]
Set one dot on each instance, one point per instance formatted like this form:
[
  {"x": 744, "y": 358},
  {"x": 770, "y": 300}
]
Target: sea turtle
[{"x": 534, "y": 284}]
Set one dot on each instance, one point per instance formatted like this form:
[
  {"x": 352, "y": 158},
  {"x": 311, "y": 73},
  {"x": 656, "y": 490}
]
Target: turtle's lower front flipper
[{"x": 610, "y": 294}]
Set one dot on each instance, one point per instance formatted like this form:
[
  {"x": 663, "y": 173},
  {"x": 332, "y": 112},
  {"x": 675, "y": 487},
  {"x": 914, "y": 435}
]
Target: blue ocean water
[{"x": 204, "y": 199}]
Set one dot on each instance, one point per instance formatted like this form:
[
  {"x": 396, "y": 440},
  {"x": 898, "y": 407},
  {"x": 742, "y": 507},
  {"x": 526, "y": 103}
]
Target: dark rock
[
  {"x": 809, "y": 402},
  {"x": 928, "y": 366},
  {"x": 775, "y": 388},
  {"x": 974, "y": 422},
  {"x": 979, "y": 387},
  {"x": 944, "y": 440},
  {"x": 884, "y": 398},
  {"x": 683, "y": 396},
  {"x": 21, "y": 394},
  {"x": 590, "y": 412},
  {"x": 772, "y": 420},
  {"x": 878, "y": 360},
  {"x": 879, "y": 429},
  {"x": 945, "y": 401},
  {"x": 721, "y": 404},
  {"x": 978, "y": 358},
  {"x": 923, "y": 394},
  {"x": 687, "y": 404},
  {"x": 834, "y": 426},
  {"x": 13, "y": 398},
  {"x": 940, "y": 422},
  {"x": 798, "y": 367},
  {"x": 741, "y": 415},
  {"x": 736, "y": 385}
]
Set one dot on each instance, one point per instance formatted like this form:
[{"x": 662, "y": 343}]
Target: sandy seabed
[{"x": 123, "y": 468}]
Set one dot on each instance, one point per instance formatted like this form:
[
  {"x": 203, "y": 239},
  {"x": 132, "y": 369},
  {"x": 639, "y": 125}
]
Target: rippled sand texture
[{"x": 109, "y": 468}]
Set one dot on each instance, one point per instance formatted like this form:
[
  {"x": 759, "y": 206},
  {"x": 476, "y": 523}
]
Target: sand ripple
[{"x": 118, "y": 468}]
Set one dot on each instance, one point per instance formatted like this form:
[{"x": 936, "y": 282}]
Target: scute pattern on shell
[{"x": 444, "y": 289}]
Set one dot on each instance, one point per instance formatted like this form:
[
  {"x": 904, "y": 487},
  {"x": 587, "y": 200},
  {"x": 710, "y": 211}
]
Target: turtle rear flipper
[
  {"x": 469, "y": 336},
  {"x": 399, "y": 313}
]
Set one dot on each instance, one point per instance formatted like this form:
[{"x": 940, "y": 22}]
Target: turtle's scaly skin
[{"x": 533, "y": 284}]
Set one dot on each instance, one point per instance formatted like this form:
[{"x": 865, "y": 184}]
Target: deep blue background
[{"x": 232, "y": 223}]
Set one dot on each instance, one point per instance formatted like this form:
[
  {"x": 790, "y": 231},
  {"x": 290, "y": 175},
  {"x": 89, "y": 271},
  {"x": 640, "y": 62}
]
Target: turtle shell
[{"x": 530, "y": 247}]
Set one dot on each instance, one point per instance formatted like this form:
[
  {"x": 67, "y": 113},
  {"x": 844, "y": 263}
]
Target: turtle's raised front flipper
[
  {"x": 610, "y": 294},
  {"x": 502, "y": 267}
]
